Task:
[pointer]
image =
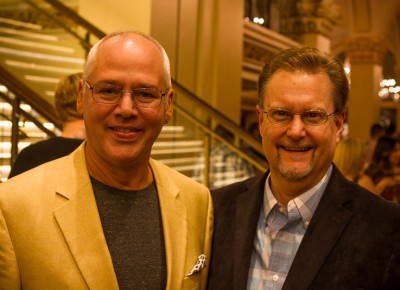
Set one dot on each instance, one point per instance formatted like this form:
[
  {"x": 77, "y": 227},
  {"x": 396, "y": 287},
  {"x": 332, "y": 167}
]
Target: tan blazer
[{"x": 51, "y": 235}]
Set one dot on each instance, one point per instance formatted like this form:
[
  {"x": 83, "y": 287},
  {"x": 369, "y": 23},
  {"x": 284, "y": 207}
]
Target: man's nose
[{"x": 296, "y": 127}]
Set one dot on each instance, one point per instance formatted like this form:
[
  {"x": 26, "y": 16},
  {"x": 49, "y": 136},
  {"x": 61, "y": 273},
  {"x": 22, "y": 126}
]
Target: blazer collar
[
  {"x": 80, "y": 223},
  {"x": 329, "y": 221},
  {"x": 248, "y": 206},
  {"x": 174, "y": 220}
]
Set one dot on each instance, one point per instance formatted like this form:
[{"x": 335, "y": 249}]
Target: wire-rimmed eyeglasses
[
  {"x": 309, "y": 117},
  {"x": 110, "y": 94}
]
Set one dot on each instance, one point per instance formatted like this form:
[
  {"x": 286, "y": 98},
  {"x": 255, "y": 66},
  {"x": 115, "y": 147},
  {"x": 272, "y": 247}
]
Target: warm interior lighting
[
  {"x": 41, "y": 79},
  {"x": 39, "y": 67},
  {"x": 258, "y": 20},
  {"x": 3, "y": 89},
  {"x": 21, "y": 24},
  {"x": 35, "y": 55},
  {"x": 33, "y": 44},
  {"x": 389, "y": 91}
]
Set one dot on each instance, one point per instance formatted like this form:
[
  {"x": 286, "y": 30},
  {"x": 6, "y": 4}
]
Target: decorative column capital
[
  {"x": 308, "y": 17},
  {"x": 366, "y": 50}
]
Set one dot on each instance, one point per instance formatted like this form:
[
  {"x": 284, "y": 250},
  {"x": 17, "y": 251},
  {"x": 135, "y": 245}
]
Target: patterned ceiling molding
[
  {"x": 295, "y": 28},
  {"x": 308, "y": 17}
]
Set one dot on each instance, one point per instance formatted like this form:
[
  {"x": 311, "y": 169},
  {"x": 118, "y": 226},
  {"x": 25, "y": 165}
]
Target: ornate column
[
  {"x": 366, "y": 55},
  {"x": 309, "y": 22}
]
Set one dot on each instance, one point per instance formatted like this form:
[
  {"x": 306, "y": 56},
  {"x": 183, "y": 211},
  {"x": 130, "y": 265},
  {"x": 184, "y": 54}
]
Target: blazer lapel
[
  {"x": 80, "y": 224},
  {"x": 326, "y": 227},
  {"x": 248, "y": 206},
  {"x": 173, "y": 213}
]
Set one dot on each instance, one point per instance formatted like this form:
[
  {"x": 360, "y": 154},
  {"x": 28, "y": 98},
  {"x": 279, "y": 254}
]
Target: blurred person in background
[
  {"x": 72, "y": 126},
  {"x": 375, "y": 132},
  {"x": 382, "y": 176},
  {"x": 350, "y": 157}
]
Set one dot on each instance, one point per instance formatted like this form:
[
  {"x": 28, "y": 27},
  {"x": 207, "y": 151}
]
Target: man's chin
[{"x": 294, "y": 172}]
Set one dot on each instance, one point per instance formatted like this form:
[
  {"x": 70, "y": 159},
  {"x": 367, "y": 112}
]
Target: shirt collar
[{"x": 306, "y": 202}]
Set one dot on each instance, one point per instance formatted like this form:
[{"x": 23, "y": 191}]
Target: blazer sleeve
[
  {"x": 392, "y": 273},
  {"x": 9, "y": 273}
]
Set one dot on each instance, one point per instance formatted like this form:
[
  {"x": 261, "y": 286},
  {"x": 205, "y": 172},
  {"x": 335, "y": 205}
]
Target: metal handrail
[
  {"x": 76, "y": 18},
  {"x": 29, "y": 117},
  {"x": 40, "y": 105},
  {"x": 219, "y": 117},
  {"x": 259, "y": 164}
]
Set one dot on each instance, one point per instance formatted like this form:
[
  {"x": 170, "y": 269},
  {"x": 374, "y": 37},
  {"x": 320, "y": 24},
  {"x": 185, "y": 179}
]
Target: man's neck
[
  {"x": 136, "y": 178},
  {"x": 284, "y": 191}
]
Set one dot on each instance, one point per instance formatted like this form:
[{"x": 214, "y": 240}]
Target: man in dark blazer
[{"x": 302, "y": 225}]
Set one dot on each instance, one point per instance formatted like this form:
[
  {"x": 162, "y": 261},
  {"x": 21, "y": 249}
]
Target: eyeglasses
[
  {"x": 309, "y": 117},
  {"x": 110, "y": 94}
]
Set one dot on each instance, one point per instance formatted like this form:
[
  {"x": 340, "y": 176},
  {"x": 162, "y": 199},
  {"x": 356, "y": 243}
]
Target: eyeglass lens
[
  {"x": 143, "y": 97},
  {"x": 310, "y": 117}
]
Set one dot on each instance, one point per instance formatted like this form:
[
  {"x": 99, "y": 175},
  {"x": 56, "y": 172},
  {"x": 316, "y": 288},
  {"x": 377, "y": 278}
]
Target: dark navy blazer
[{"x": 352, "y": 242}]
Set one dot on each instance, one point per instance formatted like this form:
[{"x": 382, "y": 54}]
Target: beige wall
[{"x": 116, "y": 15}]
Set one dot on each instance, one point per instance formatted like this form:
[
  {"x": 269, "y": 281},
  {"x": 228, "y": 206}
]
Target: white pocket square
[{"x": 200, "y": 264}]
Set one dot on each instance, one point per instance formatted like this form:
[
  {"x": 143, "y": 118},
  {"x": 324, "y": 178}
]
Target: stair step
[
  {"x": 177, "y": 150},
  {"x": 21, "y": 24},
  {"x": 31, "y": 45},
  {"x": 175, "y": 143},
  {"x": 176, "y": 161},
  {"x": 30, "y": 66},
  {"x": 42, "y": 57},
  {"x": 30, "y": 35}
]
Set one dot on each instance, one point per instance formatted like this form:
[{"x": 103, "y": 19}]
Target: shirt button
[
  {"x": 282, "y": 210},
  {"x": 273, "y": 236},
  {"x": 306, "y": 223},
  {"x": 275, "y": 278}
]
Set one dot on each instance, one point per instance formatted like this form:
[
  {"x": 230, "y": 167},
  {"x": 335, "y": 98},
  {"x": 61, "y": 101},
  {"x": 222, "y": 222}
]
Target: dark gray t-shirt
[{"x": 132, "y": 227}]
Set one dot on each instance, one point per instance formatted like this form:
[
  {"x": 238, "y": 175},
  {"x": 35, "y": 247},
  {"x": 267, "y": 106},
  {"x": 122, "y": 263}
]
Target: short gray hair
[{"x": 91, "y": 58}]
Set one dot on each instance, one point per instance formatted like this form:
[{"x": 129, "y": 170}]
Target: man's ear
[
  {"x": 260, "y": 115},
  {"x": 340, "y": 125},
  {"x": 79, "y": 100},
  {"x": 169, "y": 106}
]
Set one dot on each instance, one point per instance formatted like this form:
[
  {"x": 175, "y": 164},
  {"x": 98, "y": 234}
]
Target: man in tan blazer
[{"x": 108, "y": 216}]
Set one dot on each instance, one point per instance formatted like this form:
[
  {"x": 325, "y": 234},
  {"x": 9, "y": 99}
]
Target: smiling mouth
[
  {"x": 122, "y": 130},
  {"x": 295, "y": 149}
]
